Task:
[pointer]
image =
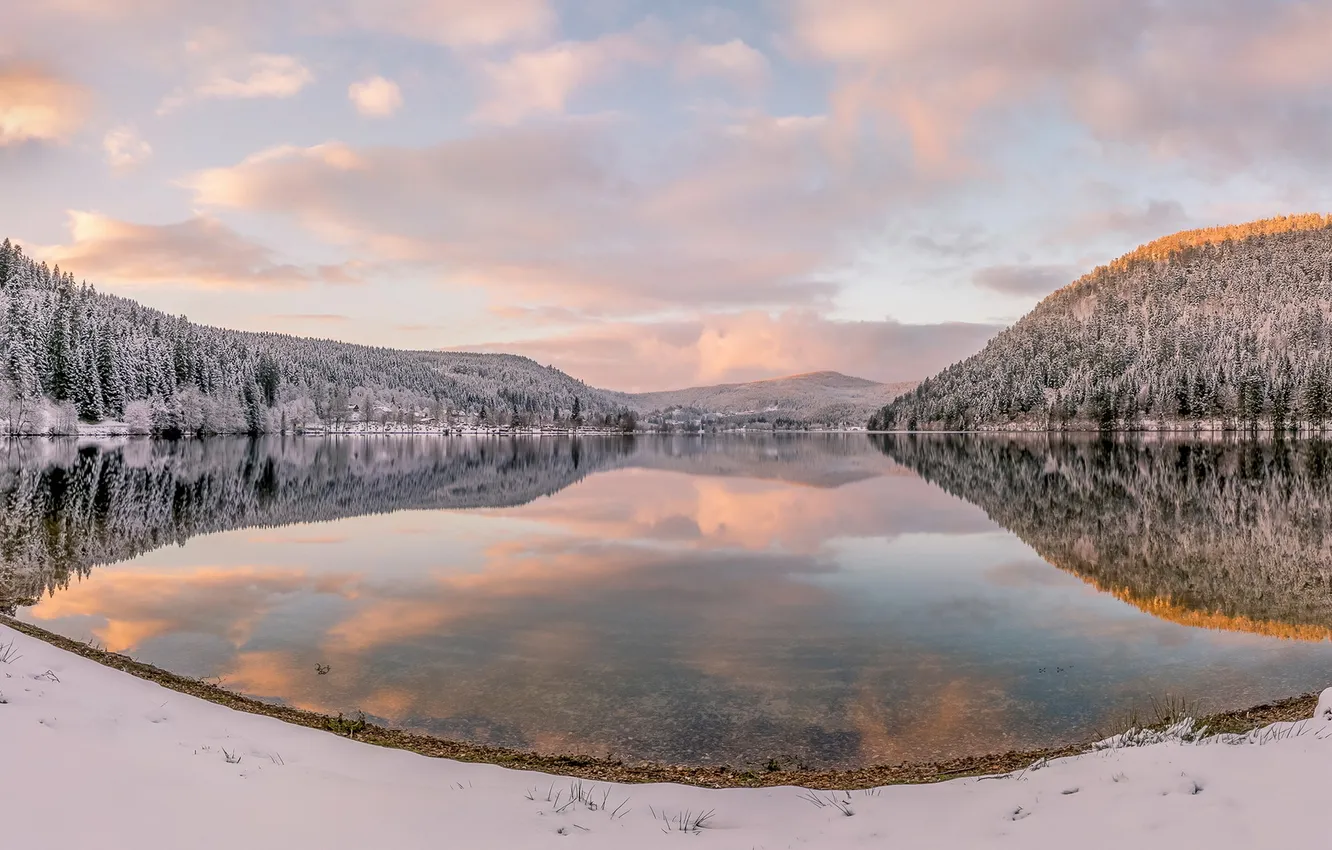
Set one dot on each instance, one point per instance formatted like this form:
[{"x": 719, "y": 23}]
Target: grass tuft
[
  {"x": 582, "y": 796},
  {"x": 8, "y": 654},
  {"x": 1171, "y": 718},
  {"x": 686, "y": 821},
  {"x": 347, "y": 727},
  {"x": 839, "y": 801}
]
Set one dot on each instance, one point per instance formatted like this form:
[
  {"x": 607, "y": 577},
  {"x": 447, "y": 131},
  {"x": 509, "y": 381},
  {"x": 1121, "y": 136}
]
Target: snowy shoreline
[{"x": 167, "y": 770}]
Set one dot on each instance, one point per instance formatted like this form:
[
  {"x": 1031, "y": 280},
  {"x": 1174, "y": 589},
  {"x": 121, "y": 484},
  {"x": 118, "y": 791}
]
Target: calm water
[{"x": 838, "y": 600}]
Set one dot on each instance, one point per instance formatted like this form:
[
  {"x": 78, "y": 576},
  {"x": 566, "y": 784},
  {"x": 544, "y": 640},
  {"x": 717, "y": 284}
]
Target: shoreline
[
  {"x": 92, "y": 433},
  {"x": 612, "y": 770}
]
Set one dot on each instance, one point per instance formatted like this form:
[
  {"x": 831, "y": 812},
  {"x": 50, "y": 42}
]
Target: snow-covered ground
[{"x": 94, "y": 758}]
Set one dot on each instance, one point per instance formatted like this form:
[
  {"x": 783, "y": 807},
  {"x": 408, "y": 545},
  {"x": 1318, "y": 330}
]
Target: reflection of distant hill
[
  {"x": 67, "y": 509},
  {"x": 820, "y": 460},
  {"x": 1218, "y": 535}
]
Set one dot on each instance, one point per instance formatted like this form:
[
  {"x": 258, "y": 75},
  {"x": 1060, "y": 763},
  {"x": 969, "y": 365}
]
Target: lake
[{"x": 829, "y": 600}]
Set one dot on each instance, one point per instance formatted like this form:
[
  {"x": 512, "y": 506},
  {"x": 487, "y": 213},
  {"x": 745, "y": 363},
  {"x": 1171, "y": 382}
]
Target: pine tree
[
  {"x": 255, "y": 419},
  {"x": 7, "y": 264},
  {"x": 88, "y": 384},
  {"x": 268, "y": 377},
  {"x": 59, "y": 383},
  {"x": 1315, "y": 400},
  {"x": 21, "y": 361},
  {"x": 109, "y": 374}
]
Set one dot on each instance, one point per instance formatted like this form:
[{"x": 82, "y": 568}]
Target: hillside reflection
[
  {"x": 1218, "y": 534},
  {"x": 68, "y": 508}
]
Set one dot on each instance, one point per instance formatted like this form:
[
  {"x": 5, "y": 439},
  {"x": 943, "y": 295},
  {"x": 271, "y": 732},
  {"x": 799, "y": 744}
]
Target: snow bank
[{"x": 94, "y": 758}]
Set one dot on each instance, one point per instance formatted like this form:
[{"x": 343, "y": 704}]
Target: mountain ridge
[
  {"x": 1210, "y": 329},
  {"x": 825, "y": 396}
]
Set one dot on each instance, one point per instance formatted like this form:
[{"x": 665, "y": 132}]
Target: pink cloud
[
  {"x": 453, "y": 23},
  {"x": 929, "y": 67},
  {"x": 124, "y": 149},
  {"x": 1135, "y": 72},
  {"x": 733, "y": 60},
  {"x": 649, "y": 356},
  {"x": 375, "y": 97},
  {"x": 542, "y": 81},
  {"x": 259, "y": 75},
  {"x": 38, "y": 106},
  {"x": 749, "y": 214},
  {"x": 200, "y": 251},
  {"x": 1266, "y": 97}
]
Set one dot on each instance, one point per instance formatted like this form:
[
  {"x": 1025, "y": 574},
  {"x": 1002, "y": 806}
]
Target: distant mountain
[
  {"x": 814, "y": 397},
  {"x": 1227, "y": 327}
]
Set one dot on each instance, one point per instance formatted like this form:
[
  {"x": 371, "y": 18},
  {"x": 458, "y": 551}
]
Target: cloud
[
  {"x": 733, "y": 60},
  {"x": 328, "y": 318},
  {"x": 259, "y": 75},
  {"x": 542, "y": 81},
  {"x": 1153, "y": 219},
  {"x": 1174, "y": 97},
  {"x": 375, "y": 97},
  {"x": 649, "y": 356},
  {"x": 124, "y": 149},
  {"x": 137, "y": 604},
  {"x": 36, "y": 106},
  {"x": 1135, "y": 72},
  {"x": 555, "y": 214},
  {"x": 959, "y": 245},
  {"x": 452, "y": 23},
  {"x": 1032, "y": 573},
  {"x": 1023, "y": 280},
  {"x": 928, "y": 68},
  {"x": 200, "y": 251}
]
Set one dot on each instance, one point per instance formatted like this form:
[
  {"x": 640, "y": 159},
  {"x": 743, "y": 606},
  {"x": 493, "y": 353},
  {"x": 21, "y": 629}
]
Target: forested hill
[
  {"x": 1226, "y": 327},
  {"x": 820, "y": 397},
  {"x": 70, "y": 351}
]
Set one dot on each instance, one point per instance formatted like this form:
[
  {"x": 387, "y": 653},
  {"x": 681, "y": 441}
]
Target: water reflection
[
  {"x": 689, "y": 600},
  {"x": 1217, "y": 534}
]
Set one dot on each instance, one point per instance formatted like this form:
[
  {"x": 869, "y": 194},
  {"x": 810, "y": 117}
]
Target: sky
[{"x": 647, "y": 195}]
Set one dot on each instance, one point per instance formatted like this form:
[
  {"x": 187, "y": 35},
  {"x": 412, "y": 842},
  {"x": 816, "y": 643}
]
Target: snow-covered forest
[
  {"x": 72, "y": 354},
  {"x": 1220, "y": 533},
  {"x": 1224, "y": 328}
]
